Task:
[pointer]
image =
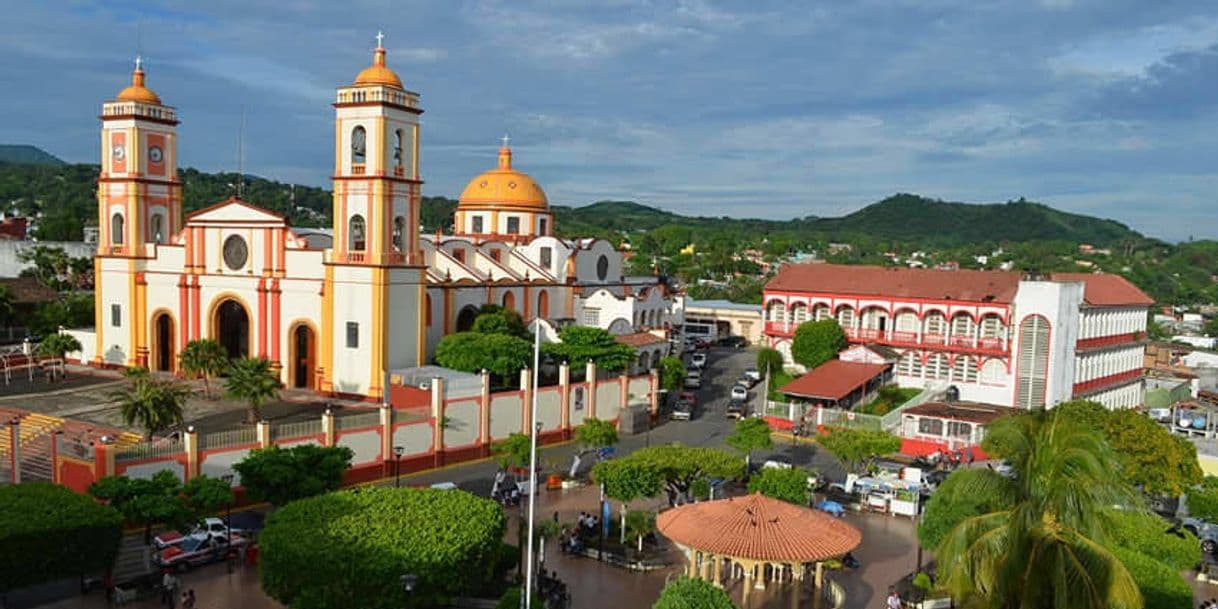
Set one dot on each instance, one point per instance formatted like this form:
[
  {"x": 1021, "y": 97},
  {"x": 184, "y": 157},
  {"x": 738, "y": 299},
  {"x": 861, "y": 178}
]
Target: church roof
[
  {"x": 504, "y": 187},
  {"x": 137, "y": 91}
]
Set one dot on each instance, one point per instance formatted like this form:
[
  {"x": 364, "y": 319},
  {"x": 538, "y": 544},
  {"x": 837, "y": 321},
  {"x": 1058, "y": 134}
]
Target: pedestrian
[
  {"x": 971, "y": 457},
  {"x": 169, "y": 589},
  {"x": 555, "y": 517},
  {"x": 188, "y": 599},
  {"x": 894, "y": 601}
]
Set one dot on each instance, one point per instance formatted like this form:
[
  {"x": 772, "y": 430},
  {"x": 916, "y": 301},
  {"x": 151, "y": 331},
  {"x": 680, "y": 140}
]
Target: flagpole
[{"x": 528, "y": 578}]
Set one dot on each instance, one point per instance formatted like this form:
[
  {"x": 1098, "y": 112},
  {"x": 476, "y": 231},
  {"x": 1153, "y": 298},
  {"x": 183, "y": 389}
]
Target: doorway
[
  {"x": 465, "y": 319},
  {"x": 163, "y": 355},
  {"x": 232, "y": 326},
  {"x": 304, "y": 348}
]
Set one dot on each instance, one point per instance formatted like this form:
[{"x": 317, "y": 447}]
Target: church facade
[{"x": 336, "y": 311}]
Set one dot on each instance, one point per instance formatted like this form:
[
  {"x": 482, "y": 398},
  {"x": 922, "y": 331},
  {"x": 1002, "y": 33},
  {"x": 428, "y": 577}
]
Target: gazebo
[{"x": 756, "y": 537}]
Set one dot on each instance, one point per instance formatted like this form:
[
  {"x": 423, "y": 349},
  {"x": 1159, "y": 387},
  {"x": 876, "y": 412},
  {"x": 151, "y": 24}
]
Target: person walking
[
  {"x": 894, "y": 600},
  {"x": 169, "y": 589}
]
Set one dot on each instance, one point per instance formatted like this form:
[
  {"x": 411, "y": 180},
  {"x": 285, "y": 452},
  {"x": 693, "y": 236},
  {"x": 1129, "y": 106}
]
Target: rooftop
[
  {"x": 721, "y": 304},
  {"x": 757, "y": 527},
  {"x": 972, "y": 412},
  {"x": 640, "y": 339},
  {"x": 833, "y": 380}
]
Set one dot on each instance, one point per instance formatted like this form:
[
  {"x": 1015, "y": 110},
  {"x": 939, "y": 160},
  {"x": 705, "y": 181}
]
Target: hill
[{"x": 24, "y": 153}]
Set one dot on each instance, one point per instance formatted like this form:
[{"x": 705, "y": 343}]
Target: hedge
[
  {"x": 349, "y": 550},
  {"x": 48, "y": 532},
  {"x": 1161, "y": 586}
]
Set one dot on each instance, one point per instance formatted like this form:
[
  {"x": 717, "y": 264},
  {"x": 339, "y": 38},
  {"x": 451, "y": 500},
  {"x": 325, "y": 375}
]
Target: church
[{"x": 337, "y": 311}]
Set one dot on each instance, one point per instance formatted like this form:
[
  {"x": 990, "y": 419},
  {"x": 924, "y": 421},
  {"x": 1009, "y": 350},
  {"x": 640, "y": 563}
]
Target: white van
[{"x": 693, "y": 379}]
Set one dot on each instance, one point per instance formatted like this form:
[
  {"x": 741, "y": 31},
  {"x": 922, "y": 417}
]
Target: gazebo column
[
  {"x": 717, "y": 572},
  {"x": 709, "y": 567},
  {"x": 820, "y": 574}
]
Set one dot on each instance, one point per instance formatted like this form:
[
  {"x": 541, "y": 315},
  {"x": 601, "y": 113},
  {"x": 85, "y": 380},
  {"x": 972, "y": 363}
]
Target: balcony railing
[
  {"x": 965, "y": 343},
  {"x": 1105, "y": 341},
  {"x": 1106, "y": 381}
]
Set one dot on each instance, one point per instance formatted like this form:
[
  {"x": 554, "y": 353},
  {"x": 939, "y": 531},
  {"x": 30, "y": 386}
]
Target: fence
[
  {"x": 232, "y": 437},
  {"x": 892, "y": 420},
  {"x": 366, "y": 419},
  {"x": 295, "y": 430},
  {"x": 158, "y": 448}
]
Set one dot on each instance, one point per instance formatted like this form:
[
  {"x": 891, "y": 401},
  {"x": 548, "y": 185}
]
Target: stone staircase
[{"x": 35, "y": 437}]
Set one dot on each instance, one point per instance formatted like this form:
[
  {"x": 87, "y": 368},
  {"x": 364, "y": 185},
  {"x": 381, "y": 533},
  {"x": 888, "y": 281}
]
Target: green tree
[
  {"x": 145, "y": 502},
  {"x": 1151, "y": 457},
  {"x": 349, "y": 550},
  {"x": 672, "y": 374},
  {"x": 51, "y": 533},
  {"x": 858, "y": 449},
  {"x": 70, "y": 311},
  {"x": 582, "y": 343},
  {"x": 957, "y": 499},
  {"x": 750, "y": 434},
  {"x": 281, "y": 475},
  {"x": 1202, "y": 499},
  {"x": 500, "y": 354},
  {"x": 494, "y": 319},
  {"x": 1048, "y": 548},
  {"x": 203, "y": 358},
  {"x": 817, "y": 342},
  {"x": 595, "y": 433},
  {"x": 790, "y": 485},
  {"x": 626, "y": 480},
  {"x": 152, "y": 404},
  {"x": 639, "y": 524},
  {"x": 514, "y": 451},
  {"x": 769, "y": 360},
  {"x": 251, "y": 380},
  {"x": 57, "y": 345},
  {"x": 677, "y": 467},
  {"x": 205, "y": 495},
  {"x": 689, "y": 593}
]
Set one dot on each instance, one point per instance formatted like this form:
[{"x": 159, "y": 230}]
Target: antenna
[{"x": 241, "y": 155}]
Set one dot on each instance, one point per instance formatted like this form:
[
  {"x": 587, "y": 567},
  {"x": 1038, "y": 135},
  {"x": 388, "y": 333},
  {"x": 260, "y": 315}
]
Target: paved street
[{"x": 887, "y": 553}]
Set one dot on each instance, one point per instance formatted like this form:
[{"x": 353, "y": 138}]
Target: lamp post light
[
  {"x": 398, "y": 451},
  {"x": 410, "y": 581}
]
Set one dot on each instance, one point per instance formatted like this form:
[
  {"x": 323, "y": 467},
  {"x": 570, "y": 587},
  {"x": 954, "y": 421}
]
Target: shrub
[
  {"x": 817, "y": 342},
  {"x": 1161, "y": 586},
  {"x": 349, "y": 550},
  {"x": 688, "y": 593},
  {"x": 48, "y": 532}
]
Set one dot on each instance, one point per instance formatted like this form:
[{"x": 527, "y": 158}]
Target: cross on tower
[
  {"x": 139, "y": 62},
  {"x": 380, "y": 37},
  {"x": 506, "y": 140}
]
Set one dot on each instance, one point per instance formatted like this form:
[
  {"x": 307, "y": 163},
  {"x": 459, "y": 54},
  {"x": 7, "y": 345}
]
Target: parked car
[
  {"x": 777, "y": 462},
  {"x": 693, "y": 379},
  {"x": 735, "y": 342},
  {"x": 698, "y": 360},
  {"x": 831, "y": 507},
  {"x": 682, "y": 411},
  {"x": 740, "y": 392},
  {"x": 689, "y": 396},
  {"x": 932, "y": 480},
  {"x": 737, "y": 410},
  {"x": 754, "y": 374},
  {"x": 746, "y": 380},
  {"x": 196, "y": 551},
  {"x": 1207, "y": 532},
  {"x": 208, "y": 528}
]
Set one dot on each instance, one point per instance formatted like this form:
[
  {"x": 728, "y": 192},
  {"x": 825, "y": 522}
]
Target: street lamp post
[
  {"x": 409, "y": 582},
  {"x": 398, "y": 451}
]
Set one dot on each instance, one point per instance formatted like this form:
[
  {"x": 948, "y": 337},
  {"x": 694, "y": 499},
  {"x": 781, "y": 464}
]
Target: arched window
[
  {"x": 359, "y": 146},
  {"x": 799, "y": 313},
  {"x": 1033, "y": 364},
  {"x": 116, "y": 229},
  {"x": 936, "y": 366},
  {"x": 935, "y": 323},
  {"x": 845, "y": 317},
  {"x": 355, "y": 233},
  {"x": 427, "y": 309},
  {"x": 156, "y": 229},
  {"x": 399, "y": 230},
  {"x": 543, "y": 304},
  {"x": 397, "y": 147},
  {"x": 965, "y": 369},
  {"x": 509, "y": 300}
]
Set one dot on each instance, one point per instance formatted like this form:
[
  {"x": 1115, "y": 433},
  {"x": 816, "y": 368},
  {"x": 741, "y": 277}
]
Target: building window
[
  {"x": 359, "y": 146},
  {"x": 427, "y": 308},
  {"x": 476, "y": 225},
  {"x": 513, "y": 227},
  {"x": 509, "y": 300},
  {"x": 157, "y": 228},
  {"x": 459, "y": 255},
  {"x": 543, "y": 304},
  {"x": 352, "y": 335},
  {"x": 116, "y": 229},
  {"x": 959, "y": 429},
  {"x": 399, "y": 229},
  {"x": 496, "y": 255},
  {"x": 1033, "y": 364},
  {"x": 602, "y": 267},
  {"x": 355, "y": 232},
  {"x": 993, "y": 372},
  {"x": 116, "y": 315},
  {"x": 542, "y": 225},
  {"x": 397, "y": 147},
  {"x": 591, "y": 317},
  {"x": 930, "y": 427},
  {"x": 546, "y": 257}
]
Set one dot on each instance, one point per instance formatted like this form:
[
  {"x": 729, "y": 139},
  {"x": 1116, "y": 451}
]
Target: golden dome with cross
[{"x": 504, "y": 187}]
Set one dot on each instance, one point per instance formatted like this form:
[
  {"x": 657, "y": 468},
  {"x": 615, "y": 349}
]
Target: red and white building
[{"x": 1000, "y": 337}]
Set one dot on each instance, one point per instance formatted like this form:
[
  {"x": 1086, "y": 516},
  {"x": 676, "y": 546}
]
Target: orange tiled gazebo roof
[{"x": 757, "y": 527}]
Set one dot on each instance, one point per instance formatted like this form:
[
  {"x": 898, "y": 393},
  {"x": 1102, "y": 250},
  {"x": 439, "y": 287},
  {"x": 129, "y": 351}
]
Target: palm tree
[
  {"x": 252, "y": 380},
  {"x": 203, "y": 358},
  {"x": 1046, "y": 551},
  {"x": 56, "y": 345},
  {"x": 153, "y": 405}
]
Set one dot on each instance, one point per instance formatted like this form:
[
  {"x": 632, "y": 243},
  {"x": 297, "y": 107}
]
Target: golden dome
[
  {"x": 137, "y": 91},
  {"x": 377, "y": 73},
  {"x": 504, "y": 186}
]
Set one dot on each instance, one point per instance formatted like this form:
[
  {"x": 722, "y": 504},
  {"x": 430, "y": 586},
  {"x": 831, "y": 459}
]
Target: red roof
[
  {"x": 972, "y": 286},
  {"x": 1105, "y": 290},
  {"x": 640, "y": 339},
  {"x": 833, "y": 380},
  {"x": 759, "y": 528}
]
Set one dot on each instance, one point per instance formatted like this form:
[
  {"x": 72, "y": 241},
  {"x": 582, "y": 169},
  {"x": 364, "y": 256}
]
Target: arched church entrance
[
  {"x": 303, "y": 352},
  {"x": 231, "y": 327},
  {"x": 163, "y": 354},
  {"x": 465, "y": 319}
]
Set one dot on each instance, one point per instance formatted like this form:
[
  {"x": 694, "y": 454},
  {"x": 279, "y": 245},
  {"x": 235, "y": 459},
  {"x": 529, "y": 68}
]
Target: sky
[{"x": 757, "y": 108}]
